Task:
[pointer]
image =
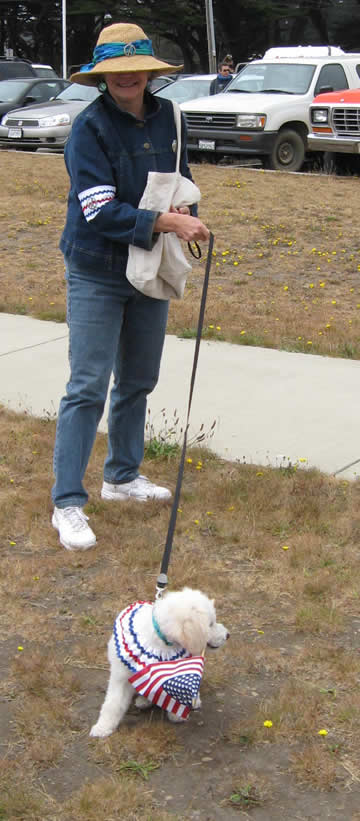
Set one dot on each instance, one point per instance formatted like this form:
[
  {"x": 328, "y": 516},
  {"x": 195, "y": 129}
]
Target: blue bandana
[{"x": 109, "y": 50}]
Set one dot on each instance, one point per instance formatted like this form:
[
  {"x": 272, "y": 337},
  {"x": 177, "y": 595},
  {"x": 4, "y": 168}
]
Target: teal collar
[{"x": 159, "y": 632}]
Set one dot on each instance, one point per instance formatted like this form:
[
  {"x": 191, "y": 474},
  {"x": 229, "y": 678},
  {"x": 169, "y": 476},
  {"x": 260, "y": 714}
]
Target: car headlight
[
  {"x": 4, "y": 119},
  {"x": 56, "y": 119},
  {"x": 251, "y": 120},
  {"x": 320, "y": 115}
]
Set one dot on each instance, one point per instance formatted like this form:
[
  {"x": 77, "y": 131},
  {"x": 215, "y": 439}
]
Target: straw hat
[{"x": 121, "y": 47}]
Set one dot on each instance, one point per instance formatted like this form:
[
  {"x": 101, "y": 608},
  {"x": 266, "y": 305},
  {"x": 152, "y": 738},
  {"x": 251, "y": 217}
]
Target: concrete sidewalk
[{"x": 269, "y": 406}]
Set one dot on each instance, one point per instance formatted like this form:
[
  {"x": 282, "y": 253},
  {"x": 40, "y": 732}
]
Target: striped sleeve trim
[{"x": 95, "y": 198}]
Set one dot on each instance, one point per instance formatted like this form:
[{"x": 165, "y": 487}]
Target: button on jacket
[{"x": 108, "y": 156}]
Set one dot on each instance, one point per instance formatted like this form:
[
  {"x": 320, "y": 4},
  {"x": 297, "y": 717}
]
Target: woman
[{"x": 114, "y": 143}]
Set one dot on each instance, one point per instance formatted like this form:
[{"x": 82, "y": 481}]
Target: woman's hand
[{"x": 183, "y": 225}]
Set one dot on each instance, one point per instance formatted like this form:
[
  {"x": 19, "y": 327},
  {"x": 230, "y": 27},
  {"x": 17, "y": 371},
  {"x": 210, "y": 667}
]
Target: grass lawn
[
  {"x": 286, "y": 257},
  {"x": 277, "y": 738}
]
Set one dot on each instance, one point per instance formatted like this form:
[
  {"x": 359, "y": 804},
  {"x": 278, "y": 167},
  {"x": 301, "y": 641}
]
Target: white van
[{"x": 264, "y": 111}]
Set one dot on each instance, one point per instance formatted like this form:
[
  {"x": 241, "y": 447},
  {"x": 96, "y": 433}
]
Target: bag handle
[
  {"x": 177, "y": 118},
  {"x": 193, "y": 247}
]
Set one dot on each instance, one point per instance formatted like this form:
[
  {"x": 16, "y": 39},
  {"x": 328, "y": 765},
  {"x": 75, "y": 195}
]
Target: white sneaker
[
  {"x": 74, "y": 532},
  {"x": 140, "y": 489}
]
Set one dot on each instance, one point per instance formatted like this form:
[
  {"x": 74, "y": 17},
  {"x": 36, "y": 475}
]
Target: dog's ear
[{"x": 194, "y": 631}]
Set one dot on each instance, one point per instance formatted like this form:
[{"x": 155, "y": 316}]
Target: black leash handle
[{"x": 163, "y": 579}]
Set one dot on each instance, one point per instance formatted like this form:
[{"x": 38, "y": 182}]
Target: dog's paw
[
  {"x": 197, "y": 703},
  {"x": 142, "y": 703},
  {"x": 100, "y": 730}
]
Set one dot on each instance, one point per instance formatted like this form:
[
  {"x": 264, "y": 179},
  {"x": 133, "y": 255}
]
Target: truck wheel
[{"x": 288, "y": 153}]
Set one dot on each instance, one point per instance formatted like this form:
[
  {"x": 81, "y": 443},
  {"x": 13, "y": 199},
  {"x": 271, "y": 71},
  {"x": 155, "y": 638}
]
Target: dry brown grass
[
  {"x": 293, "y": 657},
  {"x": 286, "y": 259}
]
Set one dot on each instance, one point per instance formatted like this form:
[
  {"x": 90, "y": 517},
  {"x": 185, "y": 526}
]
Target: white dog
[{"x": 173, "y": 630}]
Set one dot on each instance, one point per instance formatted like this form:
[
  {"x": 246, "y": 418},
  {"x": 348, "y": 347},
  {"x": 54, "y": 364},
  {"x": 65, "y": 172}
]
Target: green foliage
[
  {"x": 139, "y": 769},
  {"x": 246, "y": 796},
  {"x": 32, "y": 29}
]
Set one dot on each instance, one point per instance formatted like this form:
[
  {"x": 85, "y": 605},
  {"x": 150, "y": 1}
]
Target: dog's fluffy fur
[{"x": 188, "y": 619}]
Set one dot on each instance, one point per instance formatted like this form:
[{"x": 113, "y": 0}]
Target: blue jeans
[{"x": 113, "y": 328}]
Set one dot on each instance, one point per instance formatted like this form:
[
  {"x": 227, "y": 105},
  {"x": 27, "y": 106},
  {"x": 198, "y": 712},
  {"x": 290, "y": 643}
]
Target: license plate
[
  {"x": 207, "y": 145},
  {"x": 15, "y": 133}
]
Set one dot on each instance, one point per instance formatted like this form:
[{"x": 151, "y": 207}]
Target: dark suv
[{"x": 12, "y": 67}]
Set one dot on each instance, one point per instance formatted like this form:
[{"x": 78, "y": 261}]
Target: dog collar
[{"x": 159, "y": 632}]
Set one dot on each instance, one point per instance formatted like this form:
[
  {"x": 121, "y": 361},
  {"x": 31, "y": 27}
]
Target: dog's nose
[{"x": 227, "y": 636}]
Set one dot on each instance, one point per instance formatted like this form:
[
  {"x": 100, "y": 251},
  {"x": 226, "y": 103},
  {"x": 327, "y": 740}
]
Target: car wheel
[{"x": 288, "y": 153}]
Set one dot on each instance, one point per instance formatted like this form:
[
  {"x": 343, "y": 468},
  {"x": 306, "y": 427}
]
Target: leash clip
[{"x": 160, "y": 585}]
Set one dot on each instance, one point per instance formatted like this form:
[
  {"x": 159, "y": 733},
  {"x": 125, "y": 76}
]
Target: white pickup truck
[{"x": 264, "y": 111}]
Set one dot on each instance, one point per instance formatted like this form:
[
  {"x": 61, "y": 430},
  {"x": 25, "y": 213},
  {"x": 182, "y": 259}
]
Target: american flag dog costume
[
  {"x": 156, "y": 650},
  {"x": 171, "y": 679}
]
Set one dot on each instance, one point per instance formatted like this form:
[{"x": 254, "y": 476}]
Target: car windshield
[
  {"x": 12, "y": 89},
  {"x": 183, "y": 90},
  {"x": 78, "y": 92},
  {"x": 276, "y": 78}
]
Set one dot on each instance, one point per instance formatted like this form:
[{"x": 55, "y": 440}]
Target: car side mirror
[
  {"x": 325, "y": 89},
  {"x": 29, "y": 100}
]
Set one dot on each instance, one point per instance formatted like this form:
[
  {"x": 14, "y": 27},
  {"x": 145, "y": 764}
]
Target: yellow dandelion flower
[
  {"x": 260, "y": 631},
  {"x": 286, "y": 287},
  {"x": 12, "y": 544},
  {"x": 268, "y": 723},
  {"x": 196, "y": 522},
  {"x": 36, "y": 578},
  {"x": 259, "y": 473},
  {"x": 322, "y": 732},
  {"x": 179, "y": 510},
  {"x": 189, "y": 460},
  {"x": 333, "y": 301},
  {"x": 322, "y": 284},
  {"x": 211, "y": 327},
  {"x": 232, "y": 507},
  {"x": 311, "y": 285},
  {"x": 20, "y": 647},
  {"x": 250, "y": 273},
  {"x": 285, "y": 547}
]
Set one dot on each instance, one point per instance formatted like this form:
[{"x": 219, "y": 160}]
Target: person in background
[
  {"x": 228, "y": 61},
  {"x": 125, "y": 133},
  {"x": 223, "y": 78}
]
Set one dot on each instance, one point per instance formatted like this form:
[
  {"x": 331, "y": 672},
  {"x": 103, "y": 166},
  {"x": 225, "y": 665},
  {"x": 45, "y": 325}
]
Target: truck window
[{"x": 331, "y": 76}]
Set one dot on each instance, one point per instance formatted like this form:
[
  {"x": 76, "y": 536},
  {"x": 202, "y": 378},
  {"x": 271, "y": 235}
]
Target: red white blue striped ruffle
[{"x": 93, "y": 199}]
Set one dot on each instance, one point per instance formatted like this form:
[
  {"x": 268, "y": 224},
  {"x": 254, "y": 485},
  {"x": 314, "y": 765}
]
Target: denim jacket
[{"x": 108, "y": 156}]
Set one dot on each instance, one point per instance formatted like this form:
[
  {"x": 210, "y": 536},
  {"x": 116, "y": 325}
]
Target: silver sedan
[{"x": 46, "y": 125}]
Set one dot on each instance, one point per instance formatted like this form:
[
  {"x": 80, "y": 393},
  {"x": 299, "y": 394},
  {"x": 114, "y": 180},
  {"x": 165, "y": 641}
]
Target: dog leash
[{"x": 162, "y": 578}]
